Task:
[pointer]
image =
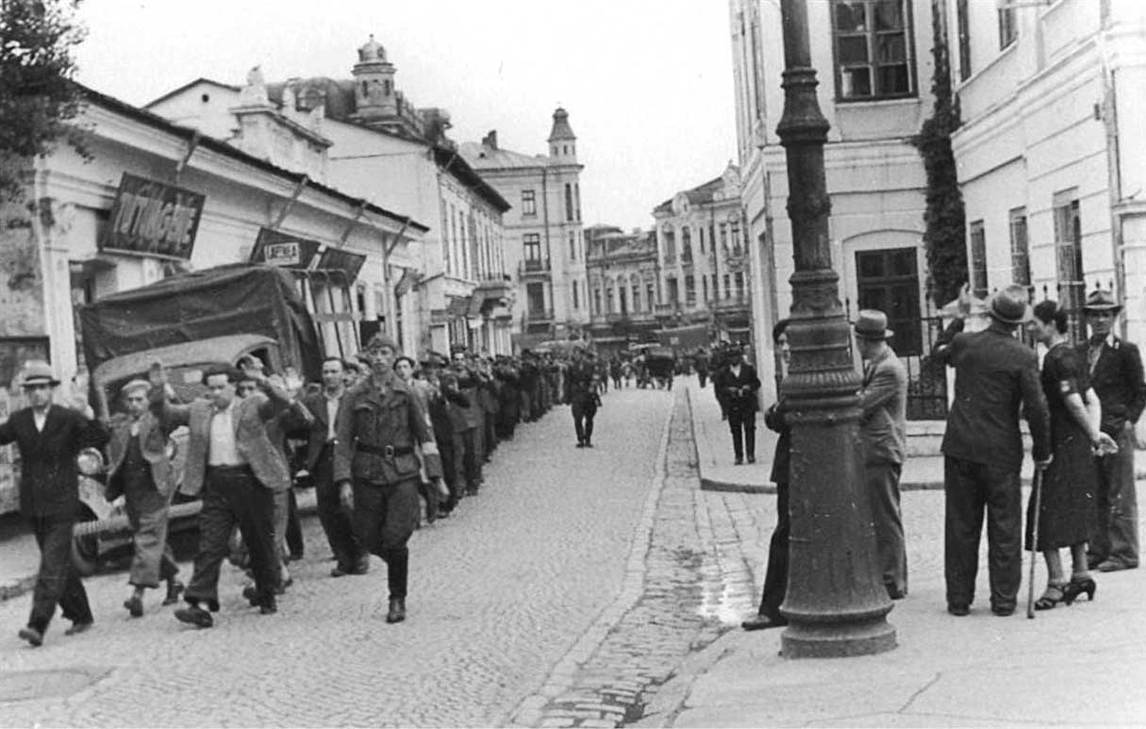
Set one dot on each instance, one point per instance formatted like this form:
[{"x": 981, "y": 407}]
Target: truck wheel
[{"x": 85, "y": 549}]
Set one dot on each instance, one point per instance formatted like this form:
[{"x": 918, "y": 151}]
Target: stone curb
[{"x": 670, "y": 698}]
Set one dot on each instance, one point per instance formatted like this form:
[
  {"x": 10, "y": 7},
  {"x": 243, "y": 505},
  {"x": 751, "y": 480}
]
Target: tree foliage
[
  {"x": 37, "y": 96},
  {"x": 945, "y": 234}
]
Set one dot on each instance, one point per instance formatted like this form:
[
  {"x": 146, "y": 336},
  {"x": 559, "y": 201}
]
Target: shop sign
[
  {"x": 153, "y": 219},
  {"x": 339, "y": 260},
  {"x": 283, "y": 249}
]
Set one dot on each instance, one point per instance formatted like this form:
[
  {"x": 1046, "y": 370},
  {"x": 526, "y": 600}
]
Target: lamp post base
[{"x": 837, "y": 640}]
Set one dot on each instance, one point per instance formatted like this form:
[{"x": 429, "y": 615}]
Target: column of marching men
[{"x": 388, "y": 444}]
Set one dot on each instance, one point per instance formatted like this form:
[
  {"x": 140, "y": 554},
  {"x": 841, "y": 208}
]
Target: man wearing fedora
[
  {"x": 736, "y": 385},
  {"x": 883, "y": 427},
  {"x": 49, "y": 438},
  {"x": 1116, "y": 375},
  {"x": 995, "y": 373}
]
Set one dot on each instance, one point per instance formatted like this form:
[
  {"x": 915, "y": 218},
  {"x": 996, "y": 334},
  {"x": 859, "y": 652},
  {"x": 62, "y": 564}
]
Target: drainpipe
[{"x": 1109, "y": 114}]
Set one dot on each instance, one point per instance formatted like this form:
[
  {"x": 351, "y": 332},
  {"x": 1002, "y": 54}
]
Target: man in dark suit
[
  {"x": 883, "y": 427},
  {"x": 49, "y": 438},
  {"x": 1116, "y": 376},
  {"x": 736, "y": 385},
  {"x": 139, "y": 469},
  {"x": 232, "y": 461},
  {"x": 350, "y": 557},
  {"x": 995, "y": 373},
  {"x": 581, "y": 394}
]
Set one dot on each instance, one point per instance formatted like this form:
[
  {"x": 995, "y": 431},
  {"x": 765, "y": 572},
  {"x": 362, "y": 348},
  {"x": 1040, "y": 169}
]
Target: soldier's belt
[{"x": 384, "y": 451}]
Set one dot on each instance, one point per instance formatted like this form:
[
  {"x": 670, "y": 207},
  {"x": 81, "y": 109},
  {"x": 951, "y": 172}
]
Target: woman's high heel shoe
[
  {"x": 1076, "y": 587},
  {"x": 1053, "y": 595}
]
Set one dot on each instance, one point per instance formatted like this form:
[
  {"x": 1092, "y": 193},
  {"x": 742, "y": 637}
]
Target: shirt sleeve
[{"x": 424, "y": 434}]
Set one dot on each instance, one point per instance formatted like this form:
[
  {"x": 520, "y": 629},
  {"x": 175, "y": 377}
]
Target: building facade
[
  {"x": 545, "y": 245},
  {"x": 1049, "y": 151},
  {"x": 874, "y": 67},
  {"x": 454, "y": 289},
  {"x": 624, "y": 286},
  {"x": 703, "y": 258}
]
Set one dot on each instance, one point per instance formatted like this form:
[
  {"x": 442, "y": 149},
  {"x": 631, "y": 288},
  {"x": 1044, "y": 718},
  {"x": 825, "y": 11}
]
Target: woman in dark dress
[{"x": 1066, "y": 510}]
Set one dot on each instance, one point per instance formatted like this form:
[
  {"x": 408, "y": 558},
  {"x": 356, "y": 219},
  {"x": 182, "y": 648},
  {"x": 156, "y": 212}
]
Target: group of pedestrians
[
  {"x": 380, "y": 438},
  {"x": 1081, "y": 408}
]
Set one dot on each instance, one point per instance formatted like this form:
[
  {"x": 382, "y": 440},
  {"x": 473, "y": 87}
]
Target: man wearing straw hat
[
  {"x": 883, "y": 427},
  {"x": 1116, "y": 375},
  {"x": 983, "y": 447},
  {"x": 49, "y": 438}
]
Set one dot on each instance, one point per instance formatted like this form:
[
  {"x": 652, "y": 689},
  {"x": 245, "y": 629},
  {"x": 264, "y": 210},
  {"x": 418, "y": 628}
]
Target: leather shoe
[
  {"x": 34, "y": 637},
  {"x": 339, "y": 571},
  {"x": 78, "y": 628},
  {"x": 1003, "y": 612},
  {"x": 738, "y": 462},
  {"x": 397, "y": 611},
  {"x": 134, "y": 605},
  {"x": 174, "y": 590},
  {"x": 1113, "y": 565},
  {"x": 251, "y": 594},
  {"x": 763, "y": 621},
  {"x": 194, "y": 615},
  {"x": 269, "y": 607},
  {"x": 959, "y": 610}
]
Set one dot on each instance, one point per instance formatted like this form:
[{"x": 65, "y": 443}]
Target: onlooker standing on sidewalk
[
  {"x": 1116, "y": 375},
  {"x": 140, "y": 471},
  {"x": 776, "y": 573},
  {"x": 883, "y": 427},
  {"x": 736, "y": 385},
  {"x": 49, "y": 438},
  {"x": 994, "y": 374}
]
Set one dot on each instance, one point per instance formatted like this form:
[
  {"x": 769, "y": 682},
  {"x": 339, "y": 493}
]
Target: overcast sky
[{"x": 647, "y": 83}]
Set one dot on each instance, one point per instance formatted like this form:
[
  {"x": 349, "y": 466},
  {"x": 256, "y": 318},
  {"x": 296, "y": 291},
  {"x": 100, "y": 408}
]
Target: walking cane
[{"x": 1036, "y": 494}]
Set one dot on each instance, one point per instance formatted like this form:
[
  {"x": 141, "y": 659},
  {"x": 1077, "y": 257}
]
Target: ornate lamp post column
[{"x": 836, "y": 604}]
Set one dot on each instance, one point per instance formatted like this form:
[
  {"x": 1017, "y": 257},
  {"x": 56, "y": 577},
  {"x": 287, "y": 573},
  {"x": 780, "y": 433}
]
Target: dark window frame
[
  {"x": 871, "y": 36},
  {"x": 977, "y": 238},
  {"x": 1020, "y": 246},
  {"x": 529, "y": 202}
]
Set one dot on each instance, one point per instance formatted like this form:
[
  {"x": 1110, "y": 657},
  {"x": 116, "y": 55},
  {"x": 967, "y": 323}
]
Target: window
[
  {"x": 735, "y": 227},
  {"x": 963, "y": 22},
  {"x": 608, "y": 298},
  {"x": 739, "y": 284},
  {"x": 573, "y": 245},
  {"x": 669, "y": 243},
  {"x": 1020, "y": 248},
  {"x": 650, "y": 296},
  {"x": 1008, "y": 27},
  {"x": 636, "y": 286},
  {"x": 446, "y": 216},
  {"x": 727, "y": 286},
  {"x": 576, "y": 290},
  {"x": 704, "y": 287},
  {"x": 700, "y": 233},
  {"x": 535, "y": 299},
  {"x": 568, "y": 202},
  {"x": 724, "y": 237},
  {"x": 532, "y": 251},
  {"x": 873, "y": 49},
  {"x": 528, "y": 202},
  {"x": 690, "y": 290},
  {"x": 622, "y": 298},
  {"x": 596, "y": 301},
  {"x": 685, "y": 244},
  {"x": 577, "y": 198},
  {"x": 673, "y": 291},
  {"x": 978, "y": 259},
  {"x": 1068, "y": 247}
]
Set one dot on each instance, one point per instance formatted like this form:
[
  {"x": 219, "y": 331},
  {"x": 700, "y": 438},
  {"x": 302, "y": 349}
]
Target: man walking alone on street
[
  {"x": 1116, "y": 376},
  {"x": 883, "y": 427},
  {"x": 582, "y": 396},
  {"x": 49, "y": 437},
  {"x": 736, "y": 385},
  {"x": 995, "y": 373}
]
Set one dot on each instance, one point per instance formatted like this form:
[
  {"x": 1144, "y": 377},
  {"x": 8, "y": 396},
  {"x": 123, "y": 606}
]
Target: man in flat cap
[
  {"x": 1116, "y": 376},
  {"x": 49, "y": 438},
  {"x": 883, "y": 427},
  {"x": 983, "y": 447},
  {"x": 140, "y": 470}
]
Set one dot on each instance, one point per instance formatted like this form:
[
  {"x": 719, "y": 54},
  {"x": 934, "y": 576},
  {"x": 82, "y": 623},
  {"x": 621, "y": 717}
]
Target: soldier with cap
[
  {"x": 377, "y": 468},
  {"x": 1116, "y": 376},
  {"x": 883, "y": 427},
  {"x": 995, "y": 373},
  {"x": 139, "y": 469},
  {"x": 49, "y": 438}
]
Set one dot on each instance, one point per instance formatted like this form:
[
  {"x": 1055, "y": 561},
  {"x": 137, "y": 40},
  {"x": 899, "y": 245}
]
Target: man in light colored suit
[
  {"x": 139, "y": 469},
  {"x": 883, "y": 427},
  {"x": 232, "y": 461}
]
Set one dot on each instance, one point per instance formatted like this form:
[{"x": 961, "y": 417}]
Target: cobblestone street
[{"x": 563, "y": 594}]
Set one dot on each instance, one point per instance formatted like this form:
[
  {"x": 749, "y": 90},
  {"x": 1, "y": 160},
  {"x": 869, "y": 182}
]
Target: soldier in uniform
[
  {"x": 376, "y": 465},
  {"x": 581, "y": 382}
]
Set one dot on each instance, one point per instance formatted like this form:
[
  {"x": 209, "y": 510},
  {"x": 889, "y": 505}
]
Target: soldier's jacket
[{"x": 377, "y": 434}]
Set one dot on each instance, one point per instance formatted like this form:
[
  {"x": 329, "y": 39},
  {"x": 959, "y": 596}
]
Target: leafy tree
[{"x": 37, "y": 96}]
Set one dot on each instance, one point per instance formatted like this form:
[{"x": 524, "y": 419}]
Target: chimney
[{"x": 490, "y": 140}]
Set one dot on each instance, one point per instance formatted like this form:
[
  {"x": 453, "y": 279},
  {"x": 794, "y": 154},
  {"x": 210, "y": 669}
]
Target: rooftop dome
[{"x": 372, "y": 52}]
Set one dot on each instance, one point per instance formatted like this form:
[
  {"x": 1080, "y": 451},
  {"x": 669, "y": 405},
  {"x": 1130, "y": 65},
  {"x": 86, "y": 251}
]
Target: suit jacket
[
  {"x": 737, "y": 394},
  {"x": 996, "y": 377},
  {"x": 1117, "y": 379},
  {"x": 883, "y": 425},
  {"x": 251, "y": 438},
  {"x": 49, "y": 478},
  {"x": 153, "y": 444},
  {"x": 782, "y": 458},
  {"x": 319, "y": 426}
]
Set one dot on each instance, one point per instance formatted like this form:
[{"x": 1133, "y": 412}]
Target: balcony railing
[
  {"x": 533, "y": 267},
  {"x": 539, "y": 315}
]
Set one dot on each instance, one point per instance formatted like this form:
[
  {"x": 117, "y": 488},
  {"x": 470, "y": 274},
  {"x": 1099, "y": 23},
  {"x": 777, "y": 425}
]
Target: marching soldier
[{"x": 377, "y": 468}]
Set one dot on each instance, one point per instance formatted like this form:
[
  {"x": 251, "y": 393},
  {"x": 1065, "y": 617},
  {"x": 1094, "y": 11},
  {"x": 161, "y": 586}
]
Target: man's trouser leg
[
  {"x": 578, "y": 417},
  {"x": 216, "y": 522},
  {"x": 965, "y": 498},
  {"x": 255, "y": 506},
  {"x": 1121, "y": 534},
  {"x": 891, "y": 547},
  {"x": 1004, "y": 536},
  {"x": 57, "y": 582},
  {"x": 331, "y": 514},
  {"x": 385, "y": 517},
  {"x": 749, "y": 426},
  {"x": 588, "y": 427},
  {"x": 458, "y": 487},
  {"x": 147, "y": 513},
  {"x": 473, "y": 460},
  {"x": 776, "y": 573},
  {"x": 736, "y": 426},
  {"x": 294, "y": 538}
]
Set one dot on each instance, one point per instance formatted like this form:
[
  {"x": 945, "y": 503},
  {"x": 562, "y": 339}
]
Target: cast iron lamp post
[{"x": 836, "y": 603}]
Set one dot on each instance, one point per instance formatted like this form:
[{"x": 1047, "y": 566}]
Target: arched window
[
  {"x": 669, "y": 236},
  {"x": 635, "y": 284},
  {"x": 685, "y": 244}
]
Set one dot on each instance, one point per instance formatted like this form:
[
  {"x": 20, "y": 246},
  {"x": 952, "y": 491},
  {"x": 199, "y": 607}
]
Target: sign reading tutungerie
[{"x": 153, "y": 218}]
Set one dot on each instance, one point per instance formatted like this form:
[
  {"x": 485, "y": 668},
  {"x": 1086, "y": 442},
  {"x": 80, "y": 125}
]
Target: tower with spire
[
  {"x": 562, "y": 140},
  {"x": 375, "y": 97}
]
